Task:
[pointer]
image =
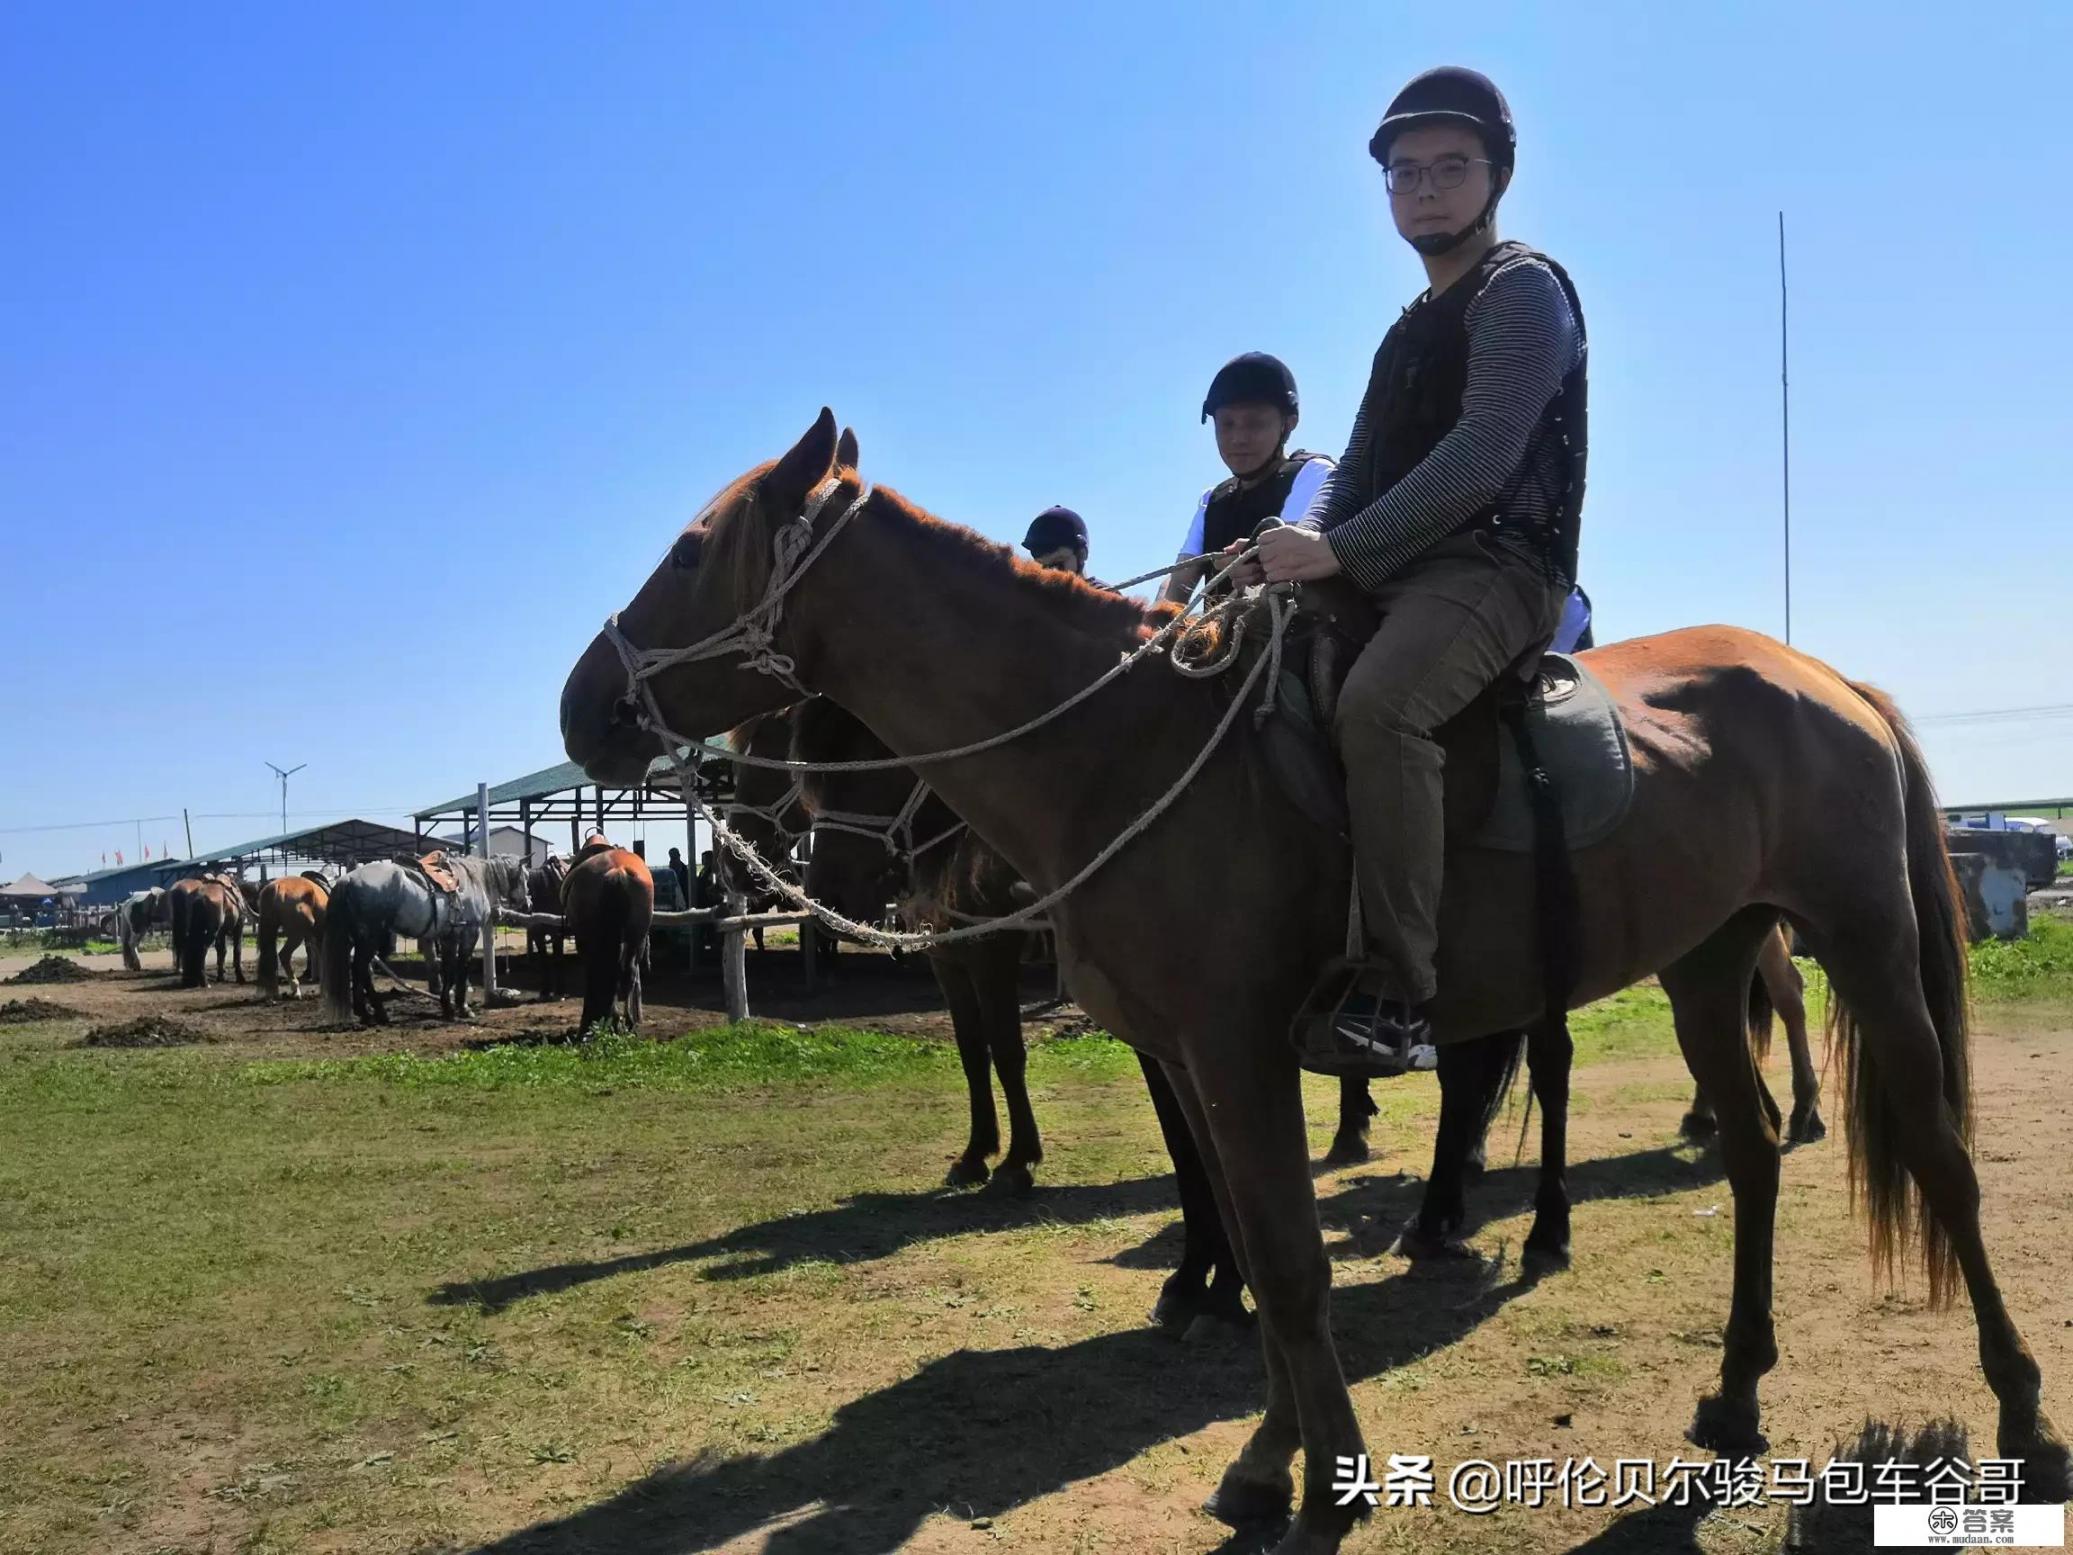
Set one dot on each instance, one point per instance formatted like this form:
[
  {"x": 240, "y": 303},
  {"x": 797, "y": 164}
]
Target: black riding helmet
[
  {"x": 1252, "y": 379},
  {"x": 1055, "y": 527},
  {"x": 1453, "y": 94}
]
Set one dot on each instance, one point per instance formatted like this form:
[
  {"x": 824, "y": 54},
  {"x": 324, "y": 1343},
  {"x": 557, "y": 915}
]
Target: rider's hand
[
  {"x": 1289, "y": 554},
  {"x": 1241, "y": 573}
]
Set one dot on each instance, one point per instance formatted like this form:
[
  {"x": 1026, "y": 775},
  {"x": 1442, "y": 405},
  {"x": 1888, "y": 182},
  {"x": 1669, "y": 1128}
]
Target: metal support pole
[
  {"x": 734, "y": 976},
  {"x": 489, "y": 930}
]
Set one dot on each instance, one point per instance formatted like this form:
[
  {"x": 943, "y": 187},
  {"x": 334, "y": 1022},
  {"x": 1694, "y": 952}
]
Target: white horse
[
  {"x": 381, "y": 898},
  {"x": 135, "y": 916}
]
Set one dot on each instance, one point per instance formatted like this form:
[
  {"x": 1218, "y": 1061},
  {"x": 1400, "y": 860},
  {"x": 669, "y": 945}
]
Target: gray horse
[{"x": 383, "y": 898}]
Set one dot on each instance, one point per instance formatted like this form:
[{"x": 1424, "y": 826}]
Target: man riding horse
[{"x": 1456, "y": 509}]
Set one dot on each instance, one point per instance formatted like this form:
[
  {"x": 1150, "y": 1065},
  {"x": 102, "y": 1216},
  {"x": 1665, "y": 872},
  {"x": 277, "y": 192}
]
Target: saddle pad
[
  {"x": 1578, "y": 734},
  {"x": 1576, "y": 730}
]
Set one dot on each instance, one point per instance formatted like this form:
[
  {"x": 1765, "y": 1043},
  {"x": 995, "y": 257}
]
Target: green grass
[
  {"x": 758, "y": 1053},
  {"x": 2039, "y": 966}
]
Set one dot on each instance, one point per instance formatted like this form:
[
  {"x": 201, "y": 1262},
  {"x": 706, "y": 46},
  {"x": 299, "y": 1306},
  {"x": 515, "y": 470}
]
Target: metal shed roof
[
  {"x": 339, "y": 842},
  {"x": 557, "y": 779}
]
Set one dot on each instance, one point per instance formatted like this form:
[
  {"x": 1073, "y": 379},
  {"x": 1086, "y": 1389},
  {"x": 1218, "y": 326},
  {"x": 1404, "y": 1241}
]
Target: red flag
[
  {"x": 118, "y": 858},
  {"x": 147, "y": 850}
]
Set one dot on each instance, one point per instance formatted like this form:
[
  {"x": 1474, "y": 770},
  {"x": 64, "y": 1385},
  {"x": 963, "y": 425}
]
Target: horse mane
[
  {"x": 744, "y": 567},
  {"x": 1093, "y": 608}
]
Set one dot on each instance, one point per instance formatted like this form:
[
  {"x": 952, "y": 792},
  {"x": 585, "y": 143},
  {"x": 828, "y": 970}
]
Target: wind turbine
[{"x": 284, "y": 776}]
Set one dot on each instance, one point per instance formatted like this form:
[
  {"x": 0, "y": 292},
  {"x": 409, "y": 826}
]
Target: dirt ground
[
  {"x": 857, "y": 986},
  {"x": 753, "y": 1323}
]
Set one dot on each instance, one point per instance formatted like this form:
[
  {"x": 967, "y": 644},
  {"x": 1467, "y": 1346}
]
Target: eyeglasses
[{"x": 1445, "y": 172}]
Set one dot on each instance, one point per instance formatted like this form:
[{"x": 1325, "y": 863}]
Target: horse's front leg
[
  {"x": 1356, "y": 1107},
  {"x": 1246, "y": 1099},
  {"x": 1549, "y": 1052},
  {"x": 466, "y": 942}
]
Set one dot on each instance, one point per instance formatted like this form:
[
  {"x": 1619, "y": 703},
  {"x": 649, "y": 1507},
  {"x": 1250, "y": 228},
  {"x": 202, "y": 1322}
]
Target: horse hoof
[
  {"x": 1178, "y": 1303},
  {"x": 1011, "y": 1182},
  {"x": 1347, "y": 1150},
  {"x": 1725, "y": 1428},
  {"x": 1219, "y": 1331},
  {"x": 1242, "y": 1502},
  {"x": 1416, "y": 1244},
  {"x": 1807, "y": 1130},
  {"x": 1548, "y": 1257},
  {"x": 965, "y": 1172},
  {"x": 1697, "y": 1126},
  {"x": 2047, "y": 1469}
]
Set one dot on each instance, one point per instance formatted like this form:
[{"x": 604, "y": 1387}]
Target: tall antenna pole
[
  {"x": 291, "y": 771},
  {"x": 1785, "y": 421}
]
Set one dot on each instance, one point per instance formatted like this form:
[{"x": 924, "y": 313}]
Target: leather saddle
[
  {"x": 1571, "y": 719},
  {"x": 436, "y": 868}
]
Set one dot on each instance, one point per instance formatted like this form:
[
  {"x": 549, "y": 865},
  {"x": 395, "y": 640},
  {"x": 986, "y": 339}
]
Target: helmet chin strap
[{"x": 1434, "y": 244}]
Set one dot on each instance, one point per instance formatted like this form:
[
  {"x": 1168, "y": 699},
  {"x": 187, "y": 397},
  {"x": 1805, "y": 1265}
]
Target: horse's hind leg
[
  {"x": 997, "y": 975},
  {"x": 1472, "y": 1077},
  {"x": 1896, "y": 1093},
  {"x": 968, "y": 1022},
  {"x": 1787, "y": 991},
  {"x": 1709, "y": 990},
  {"x": 1202, "y": 1296},
  {"x": 1356, "y": 1106}
]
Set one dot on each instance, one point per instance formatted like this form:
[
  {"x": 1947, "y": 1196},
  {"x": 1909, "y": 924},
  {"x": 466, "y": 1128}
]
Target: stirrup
[{"x": 1341, "y": 1028}]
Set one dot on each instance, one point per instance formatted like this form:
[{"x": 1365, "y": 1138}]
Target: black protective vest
[
  {"x": 1234, "y": 509},
  {"x": 1413, "y": 400}
]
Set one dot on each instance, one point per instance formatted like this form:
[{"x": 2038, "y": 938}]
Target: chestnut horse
[
  {"x": 206, "y": 910},
  {"x": 1765, "y": 783},
  {"x": 607, "y": 902},
  {"x": 291, "y": 918}
]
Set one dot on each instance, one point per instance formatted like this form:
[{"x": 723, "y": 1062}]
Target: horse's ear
[
  {"x": 811, "y": 461},
  {"x": 846, "y": 449}
]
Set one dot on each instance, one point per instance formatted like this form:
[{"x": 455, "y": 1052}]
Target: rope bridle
[{"x": 753, "y": 634}]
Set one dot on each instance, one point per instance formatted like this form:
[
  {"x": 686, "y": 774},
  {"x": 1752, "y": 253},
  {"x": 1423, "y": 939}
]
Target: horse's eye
[{"x": 685, "y": 552}]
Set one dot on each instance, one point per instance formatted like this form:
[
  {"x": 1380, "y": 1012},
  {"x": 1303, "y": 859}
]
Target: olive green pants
[{"x": 1452, "y": 622}]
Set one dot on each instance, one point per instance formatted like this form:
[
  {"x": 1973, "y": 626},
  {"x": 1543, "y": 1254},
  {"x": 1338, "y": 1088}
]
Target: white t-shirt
[{"x": 1300, "y": 495}]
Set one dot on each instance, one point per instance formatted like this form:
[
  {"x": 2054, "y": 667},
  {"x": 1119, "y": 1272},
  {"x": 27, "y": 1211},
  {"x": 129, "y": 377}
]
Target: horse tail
[
  {"x": 269, "y": 935},
  {"x": 335, "y": 986},
  {"x": 1503, "y": 1053},
  {"x": 1761, "y": 1014},
  {"x": 601, "y": 941},
  {"x": 1900, "y": 1217}
]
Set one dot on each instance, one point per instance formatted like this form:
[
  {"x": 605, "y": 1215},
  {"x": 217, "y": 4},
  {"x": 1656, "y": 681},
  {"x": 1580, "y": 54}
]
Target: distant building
[{"x": 504, "y": 842}]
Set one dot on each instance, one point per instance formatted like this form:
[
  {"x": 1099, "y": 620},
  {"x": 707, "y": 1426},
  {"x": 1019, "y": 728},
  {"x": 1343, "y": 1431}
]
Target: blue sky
[{"x": 354, "y": 364}]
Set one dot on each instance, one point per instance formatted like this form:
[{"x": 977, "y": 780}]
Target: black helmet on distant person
[
  {"x": 1252, "y": 379},
  {"x": 1055, "y": 527}
]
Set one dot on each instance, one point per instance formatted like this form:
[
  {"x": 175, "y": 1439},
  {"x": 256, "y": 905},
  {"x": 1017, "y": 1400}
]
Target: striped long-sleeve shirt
[{"x": 1522, "y": 340}]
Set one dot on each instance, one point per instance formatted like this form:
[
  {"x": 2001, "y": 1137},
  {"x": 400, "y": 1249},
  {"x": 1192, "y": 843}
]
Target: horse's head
[
  {"x": 507, "y": 876},
  {"x": 858, "y": 864},
  {"x": 716, "y": 574}
]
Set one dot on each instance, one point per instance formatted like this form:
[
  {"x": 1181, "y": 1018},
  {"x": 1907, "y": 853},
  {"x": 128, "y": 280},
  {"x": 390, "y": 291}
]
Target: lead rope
[{"x": 794, "y": 552}]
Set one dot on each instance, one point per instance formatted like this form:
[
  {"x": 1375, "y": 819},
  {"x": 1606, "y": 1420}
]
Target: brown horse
[
  {"x": 206, "y": 910},
  {"x": 766, "y": 811},
  {"x": 543, "y": 883},
  {"x": 944, "y": 875},
  {"x": 607, "y": 901},
  {"x": 291, "y": 917},
  {"x": 1765, "y": 783}
]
